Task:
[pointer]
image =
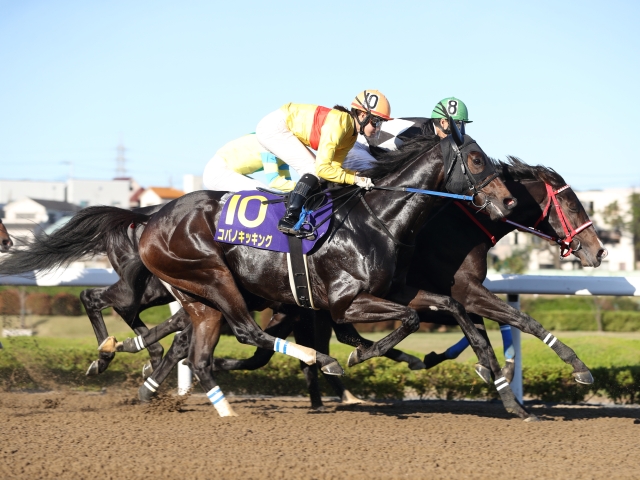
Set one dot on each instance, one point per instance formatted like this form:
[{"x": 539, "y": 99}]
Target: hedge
[
  {"x": 30, "y": 363},
  {"x": 621, "y": 321},
  {"x": 9, "y": 302},
  {"x": 66, "y": 304},
  {"x": 38, "y": 304}
]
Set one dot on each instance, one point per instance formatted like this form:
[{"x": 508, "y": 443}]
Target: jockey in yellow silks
[
  {"x": 292, "y": 130},
  {"x": 228, "y": 169}
]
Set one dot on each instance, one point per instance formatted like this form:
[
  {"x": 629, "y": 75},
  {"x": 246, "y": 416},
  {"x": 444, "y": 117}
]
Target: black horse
[
  {"x": 348, "y": 291},
  {"x": 349, "y": 275},
  {"x": 458, "y": 246}
]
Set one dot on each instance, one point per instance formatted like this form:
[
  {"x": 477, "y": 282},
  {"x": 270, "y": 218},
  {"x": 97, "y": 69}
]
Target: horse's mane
[
  {"x": 389, "y": 161},
  {"x": 515, "y": 169}
]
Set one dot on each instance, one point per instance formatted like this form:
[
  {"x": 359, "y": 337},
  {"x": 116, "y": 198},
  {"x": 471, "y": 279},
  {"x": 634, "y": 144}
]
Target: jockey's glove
[{"x": 364, "y": 182}]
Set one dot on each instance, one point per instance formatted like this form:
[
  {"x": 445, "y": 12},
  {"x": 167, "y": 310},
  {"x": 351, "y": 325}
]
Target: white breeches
[
  {"x": 274, "y": 135},
  {"x": 218, "y": 176}
]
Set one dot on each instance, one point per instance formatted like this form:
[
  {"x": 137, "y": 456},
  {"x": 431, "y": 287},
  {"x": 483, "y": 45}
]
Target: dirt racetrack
[{"x": 79, "y": 435}]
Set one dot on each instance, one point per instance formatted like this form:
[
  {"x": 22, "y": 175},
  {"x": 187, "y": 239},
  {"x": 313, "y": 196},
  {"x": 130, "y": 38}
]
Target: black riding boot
[{"x": 303, "y": 189}]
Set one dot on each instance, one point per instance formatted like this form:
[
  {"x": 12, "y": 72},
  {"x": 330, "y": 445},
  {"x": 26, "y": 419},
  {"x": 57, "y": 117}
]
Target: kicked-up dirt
[{"x": 109, "y": 436}]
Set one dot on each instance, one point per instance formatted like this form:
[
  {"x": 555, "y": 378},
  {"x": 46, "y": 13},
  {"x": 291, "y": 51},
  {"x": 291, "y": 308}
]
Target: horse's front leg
[
  {"x": 488, "y": 305},
  {"x": 366, "y": 308},
  {"x": 424, "y": 301}
]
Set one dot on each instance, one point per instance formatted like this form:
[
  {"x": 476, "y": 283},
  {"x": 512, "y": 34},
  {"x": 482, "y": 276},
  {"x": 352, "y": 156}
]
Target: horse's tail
[{"x": 89, "y": 232}]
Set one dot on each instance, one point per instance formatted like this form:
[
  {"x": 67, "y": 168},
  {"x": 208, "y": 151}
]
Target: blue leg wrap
[
  {"x": 507, "y": 342},
  {"x": 455, "y": 350}
]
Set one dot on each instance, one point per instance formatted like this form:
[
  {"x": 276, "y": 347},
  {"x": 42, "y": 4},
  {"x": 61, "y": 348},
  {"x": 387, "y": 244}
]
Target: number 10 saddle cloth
[{"x": 247, "y": 219}]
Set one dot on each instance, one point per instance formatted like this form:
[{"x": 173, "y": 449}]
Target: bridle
[
  {"x": 471, "y": 185},
  {"x": 569, "y": 232}
]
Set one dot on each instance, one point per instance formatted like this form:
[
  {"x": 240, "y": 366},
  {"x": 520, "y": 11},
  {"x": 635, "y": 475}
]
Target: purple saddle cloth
[{"x": 246, "y": 220}]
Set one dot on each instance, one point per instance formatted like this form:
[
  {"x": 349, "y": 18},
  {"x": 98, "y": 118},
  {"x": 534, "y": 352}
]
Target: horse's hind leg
[
  {"x": 178, "y": 351},
  {"x": 206, "y": 323},
  {"x": 223, "y": 293},
  {"x": 323, "y": 327},
  {"x": 95, "y": 300},
  {"x": 280, "y": 325}
]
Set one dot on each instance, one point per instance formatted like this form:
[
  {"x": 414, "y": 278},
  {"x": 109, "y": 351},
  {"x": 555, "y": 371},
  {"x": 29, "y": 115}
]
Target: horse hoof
[
  {"x": 584, "y": 378},
  {"x": 319, "y": 408},
  {"x": 93, "y": 370},
  {"x": 432, "y": 359},
  {"x": 509, "y": 370},
  {"x": 147, "y": 370},
  {"x": 483, "y": 372},
  {"x": 144, "y": 394},
  {"x": 353, "y": 358},
  {"x": 230, "y": 412},
  {"x": 417, "y": 364},
  {"x": 108, "y": 345},
  {"x": 532, "y": 418},
  {"x": 333, "y": 368},
  {"x": 349, "y": 398}
]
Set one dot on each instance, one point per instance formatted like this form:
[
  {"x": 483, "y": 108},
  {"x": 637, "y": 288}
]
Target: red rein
[{"x": 569, "y": 231}]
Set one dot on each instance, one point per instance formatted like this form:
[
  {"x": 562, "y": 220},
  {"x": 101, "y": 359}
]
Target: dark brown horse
[
  {"x": 350, "y": 274},
  {"x": 543, "y": 201},
  {"x": 192, "y": 220},
  {"x": 458, "y": 247}
]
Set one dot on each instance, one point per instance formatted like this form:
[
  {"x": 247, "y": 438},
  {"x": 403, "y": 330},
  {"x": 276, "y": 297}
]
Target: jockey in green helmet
[{"x": 456, "y": 109}]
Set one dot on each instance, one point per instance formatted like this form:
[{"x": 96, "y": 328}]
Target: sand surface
[{"x": 108, "y": 435}]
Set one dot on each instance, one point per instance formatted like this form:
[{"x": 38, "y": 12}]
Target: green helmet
[{"x": 454, "y": 107}]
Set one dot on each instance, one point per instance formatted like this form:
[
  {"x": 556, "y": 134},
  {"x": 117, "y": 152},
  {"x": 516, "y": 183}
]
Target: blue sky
[{"x": 555, "y": 83}]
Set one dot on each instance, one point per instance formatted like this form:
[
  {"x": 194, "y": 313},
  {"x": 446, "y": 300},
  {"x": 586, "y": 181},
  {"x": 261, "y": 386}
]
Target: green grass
[{"x": 51, "y": 363}]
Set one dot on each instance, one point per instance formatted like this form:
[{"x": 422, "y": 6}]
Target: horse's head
[
  {"x": 468, "y": 169},
  {"x": 5, "y": 239},
  {"x": 559, "y": 212}
]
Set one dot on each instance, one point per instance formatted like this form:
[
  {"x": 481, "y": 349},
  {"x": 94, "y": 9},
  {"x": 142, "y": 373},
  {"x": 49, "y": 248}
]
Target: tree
[{"x": 634, "y": 224}]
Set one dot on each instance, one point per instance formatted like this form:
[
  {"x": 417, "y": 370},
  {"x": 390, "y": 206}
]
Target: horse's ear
[{"x": 456, "y": 134}]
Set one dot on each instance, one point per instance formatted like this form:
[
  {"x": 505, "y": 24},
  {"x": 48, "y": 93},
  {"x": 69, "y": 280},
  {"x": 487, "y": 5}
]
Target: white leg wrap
[
  {"x": 501, "y": 383},
  {"x": 550, "y": 339},
  {"x": 307, "y": 355},
  {"x": 220, "y": 403},
  {"x": 151, "y": 384},
  {"x": 139, "y": 342}
]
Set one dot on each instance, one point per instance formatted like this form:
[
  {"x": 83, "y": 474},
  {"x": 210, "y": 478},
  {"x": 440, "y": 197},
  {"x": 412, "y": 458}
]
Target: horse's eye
[{"x": 477, "y": 161}]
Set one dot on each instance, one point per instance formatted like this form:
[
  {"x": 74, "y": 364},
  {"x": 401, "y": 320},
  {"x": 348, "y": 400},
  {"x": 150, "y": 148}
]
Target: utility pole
[{"x": 121, "y": 171}]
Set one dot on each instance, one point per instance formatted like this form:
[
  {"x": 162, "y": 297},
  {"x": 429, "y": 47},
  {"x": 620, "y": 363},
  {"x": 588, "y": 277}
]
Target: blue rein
[{"x": 467, "y": 198}]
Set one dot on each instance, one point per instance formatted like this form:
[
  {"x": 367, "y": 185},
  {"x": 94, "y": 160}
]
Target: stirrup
[{"x": 288, "y": 228}]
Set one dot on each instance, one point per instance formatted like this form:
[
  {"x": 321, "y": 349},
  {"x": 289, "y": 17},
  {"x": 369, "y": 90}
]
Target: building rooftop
[{"x": 167, "y": 193}]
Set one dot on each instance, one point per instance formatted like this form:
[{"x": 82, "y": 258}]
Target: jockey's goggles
[{"x": 376, "y": 122}]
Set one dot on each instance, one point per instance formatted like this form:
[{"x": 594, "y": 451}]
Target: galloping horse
[
  {"x": 544, "y": 201},
  {"x": 458, "y": 247},
  {"x": 349, "y": 274},
  {"x": 178, "y": 242}
]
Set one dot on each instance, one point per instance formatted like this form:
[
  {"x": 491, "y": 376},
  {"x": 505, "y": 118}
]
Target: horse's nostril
[
  {"x": 510, "y": 202},
  {"x": 602, "y": 253}
]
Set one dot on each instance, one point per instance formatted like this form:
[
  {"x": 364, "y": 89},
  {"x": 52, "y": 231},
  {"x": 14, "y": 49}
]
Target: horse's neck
[
  {"x": 528, "y": 211},
  {"x": 403, "y": 213}
]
